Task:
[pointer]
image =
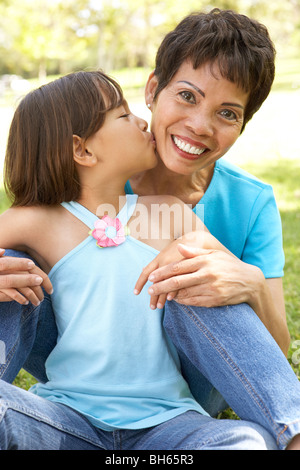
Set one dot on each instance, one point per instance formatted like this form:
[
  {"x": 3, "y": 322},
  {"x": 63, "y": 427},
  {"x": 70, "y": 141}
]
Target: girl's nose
[{"x": 143, "y": 125}]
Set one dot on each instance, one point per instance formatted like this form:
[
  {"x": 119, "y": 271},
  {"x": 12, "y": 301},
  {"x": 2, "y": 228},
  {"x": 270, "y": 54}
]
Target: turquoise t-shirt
[{"x": 241, "y": 212}]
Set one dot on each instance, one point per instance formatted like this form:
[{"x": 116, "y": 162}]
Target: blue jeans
[
  {"x": 227, "y": 347},
  {"x": 234, "y": 351},
  {"x": 28, "y": 422}
]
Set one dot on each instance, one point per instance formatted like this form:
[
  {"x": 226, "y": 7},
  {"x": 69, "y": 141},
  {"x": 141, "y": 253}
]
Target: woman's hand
[
  {"x": 214, "y": 278},
  {"x": 21, "y": 280},
  {"x": 207, "y": 278},
  {"x": 200, "y": 277},
  {"x": 166, "y": 257}
]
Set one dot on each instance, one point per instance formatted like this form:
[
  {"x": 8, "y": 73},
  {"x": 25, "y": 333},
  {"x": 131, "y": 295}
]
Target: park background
[{"x": 43, "y": 39}]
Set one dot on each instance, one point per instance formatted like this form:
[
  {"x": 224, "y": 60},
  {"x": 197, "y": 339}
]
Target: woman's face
[{"x": 196, "y": 118}]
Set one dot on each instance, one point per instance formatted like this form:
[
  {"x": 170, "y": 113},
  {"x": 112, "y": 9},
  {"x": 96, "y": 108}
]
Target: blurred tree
[
  {"x": 282, "y": 18},
  {"x": 38, "y": 35},
  {"x": 55, "y": 36}
]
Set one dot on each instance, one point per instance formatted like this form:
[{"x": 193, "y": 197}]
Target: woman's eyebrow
[
  {"x": 233, "y": 104},
  {"x": 193, "y": 86},
  {"x": 203, "y": 94}
]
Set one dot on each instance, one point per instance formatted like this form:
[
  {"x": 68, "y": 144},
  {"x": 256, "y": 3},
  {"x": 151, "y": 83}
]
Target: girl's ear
[
  {"x": 81, "y": 154},
  {"x": 150, "y": 89}
]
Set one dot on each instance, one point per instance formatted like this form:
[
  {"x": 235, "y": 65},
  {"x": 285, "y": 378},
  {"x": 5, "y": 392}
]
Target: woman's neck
[{"x": 161, "y": 181}]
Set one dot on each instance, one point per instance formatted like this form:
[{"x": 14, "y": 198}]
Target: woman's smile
[{"x": 187, "y": 148}]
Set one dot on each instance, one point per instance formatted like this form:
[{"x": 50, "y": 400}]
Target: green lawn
[{"x": 269, "y": 149}]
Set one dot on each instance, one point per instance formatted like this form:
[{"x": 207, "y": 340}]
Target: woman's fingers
[
  {"x": 7, "y": 295},
  {"x": 46, "y": 283},
  {"x": 8, "y": 263},
  {"x": 144, "y": 276},
  {"x": 23, "y": 295},
  {"x": 21, "y": 280}
]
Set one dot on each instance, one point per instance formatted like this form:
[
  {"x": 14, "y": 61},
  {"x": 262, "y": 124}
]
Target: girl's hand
[{"x": 21, "y": 280}]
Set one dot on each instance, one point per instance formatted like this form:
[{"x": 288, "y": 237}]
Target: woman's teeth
[{"x": 187, "y": 147}]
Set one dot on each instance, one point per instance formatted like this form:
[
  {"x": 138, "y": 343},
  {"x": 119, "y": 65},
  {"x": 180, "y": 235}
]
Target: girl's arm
[{"x": 20, "y": 279}]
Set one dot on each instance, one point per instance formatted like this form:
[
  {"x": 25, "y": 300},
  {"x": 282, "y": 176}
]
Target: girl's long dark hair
[{"x": 39, "y": 166}]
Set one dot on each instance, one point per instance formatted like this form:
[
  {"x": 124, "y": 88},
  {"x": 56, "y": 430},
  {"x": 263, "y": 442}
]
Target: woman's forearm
[
  {"x": 267, "y": 300},
  {"x": 265, "y": 296}
]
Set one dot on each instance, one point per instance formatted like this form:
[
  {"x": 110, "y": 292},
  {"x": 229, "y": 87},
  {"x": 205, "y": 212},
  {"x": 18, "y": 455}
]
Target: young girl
[{"x": 72, "y": 146}]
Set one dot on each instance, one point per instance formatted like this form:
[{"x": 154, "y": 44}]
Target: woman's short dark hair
[
  {"x": 240, "y": 46},
  {"x": 39, "y": 166}
]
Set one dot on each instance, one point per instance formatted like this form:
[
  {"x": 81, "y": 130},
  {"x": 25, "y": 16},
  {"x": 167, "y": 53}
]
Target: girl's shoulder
[
  {"x": 29, "y": 215},
  {"x": 26, "y": 223},
  {"x": 20, "y": 227}
]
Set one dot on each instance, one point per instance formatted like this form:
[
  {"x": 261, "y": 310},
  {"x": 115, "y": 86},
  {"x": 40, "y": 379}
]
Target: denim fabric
[
  {"x": 28, "y": 422},
  {"x": 29, "y": 334},
  {"x": 229, "y": 348},
  {"x": 235, "y": 352}
]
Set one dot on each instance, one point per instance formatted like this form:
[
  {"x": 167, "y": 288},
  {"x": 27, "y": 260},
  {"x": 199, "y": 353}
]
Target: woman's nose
[{"x": 201, "y": 123}]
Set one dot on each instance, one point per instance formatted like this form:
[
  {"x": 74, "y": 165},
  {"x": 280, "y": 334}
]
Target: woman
[
  {"x": 202, "y": 93},
  {"x": 212, "y": 74}
]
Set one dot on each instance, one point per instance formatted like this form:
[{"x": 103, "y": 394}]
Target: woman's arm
[
  {"x": 210, "y": 277},
  {"x": 197, "y": 269}
]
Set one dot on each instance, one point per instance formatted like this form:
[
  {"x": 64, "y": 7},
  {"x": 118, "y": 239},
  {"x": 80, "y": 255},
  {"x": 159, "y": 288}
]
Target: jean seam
[
  {"x": 117, "y": 439},
  {"x": 40, "y": 417},
  {"x": 282, "y": 435},
  {"x": 239, "y": 374},
  {"x": 27, "y": 314}
]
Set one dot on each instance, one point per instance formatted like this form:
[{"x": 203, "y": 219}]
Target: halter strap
[{"x": 88, "y": 218}]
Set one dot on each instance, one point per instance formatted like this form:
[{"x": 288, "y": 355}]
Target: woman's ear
[
  {"x": 150, "y": 89},
  {"x": 81, "y": 154}
]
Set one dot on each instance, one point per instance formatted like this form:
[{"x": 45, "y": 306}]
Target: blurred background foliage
[{"x": 42, "y": 37}]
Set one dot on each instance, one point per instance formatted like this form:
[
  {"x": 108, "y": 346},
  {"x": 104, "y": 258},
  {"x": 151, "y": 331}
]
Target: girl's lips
[{"x": 152, "y": 139}]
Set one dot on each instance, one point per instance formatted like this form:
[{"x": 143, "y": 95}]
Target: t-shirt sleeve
[{"x": 264, "y": 245}]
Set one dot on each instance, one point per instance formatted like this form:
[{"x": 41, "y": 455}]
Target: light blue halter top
[{"x": 113, "y": 361}]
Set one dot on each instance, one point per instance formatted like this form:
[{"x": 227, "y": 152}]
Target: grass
[
  {"x": 284, "y": 175},
  {"x": 269, "y": 149}
]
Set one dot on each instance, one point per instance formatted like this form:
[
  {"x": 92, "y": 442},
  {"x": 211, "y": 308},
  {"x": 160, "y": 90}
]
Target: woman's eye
[
  {"x": 228, "y": 114},
  {"x": 188, "y": 96},
  {"x": 125, "y": 115}
]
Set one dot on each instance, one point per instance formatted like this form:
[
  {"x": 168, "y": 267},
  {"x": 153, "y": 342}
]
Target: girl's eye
[
  {"x": 188, "y": 96},
  {"x": 125, "y": 115},
  {"x": 228, "y": 114}
]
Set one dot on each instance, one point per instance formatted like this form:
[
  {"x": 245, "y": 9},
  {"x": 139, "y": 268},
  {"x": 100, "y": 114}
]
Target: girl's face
[
  {"x": 123, "y": 143},
  {"x": 196, "y": 118}
]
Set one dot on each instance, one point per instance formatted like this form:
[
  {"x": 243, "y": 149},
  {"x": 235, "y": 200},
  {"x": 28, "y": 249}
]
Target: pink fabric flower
[{"x": 108, "y": 232}]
